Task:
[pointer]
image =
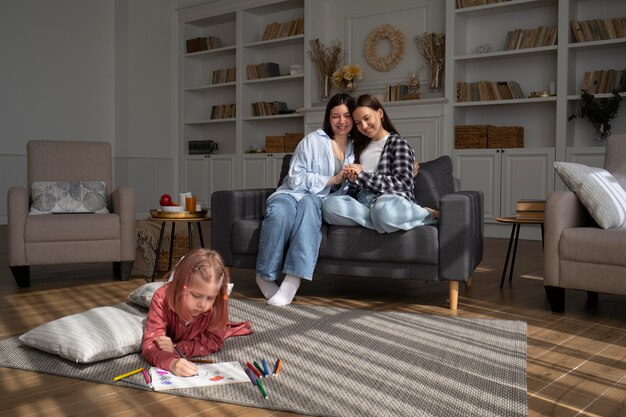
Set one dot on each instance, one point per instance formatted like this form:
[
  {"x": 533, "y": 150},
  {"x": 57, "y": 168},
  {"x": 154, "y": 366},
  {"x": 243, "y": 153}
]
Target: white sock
[
  {"x": 286, "y": 292},
  {"x": 268, "y": 288}
]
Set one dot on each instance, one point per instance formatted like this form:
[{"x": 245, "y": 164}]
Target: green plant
[{"x": 598, "y": 111}]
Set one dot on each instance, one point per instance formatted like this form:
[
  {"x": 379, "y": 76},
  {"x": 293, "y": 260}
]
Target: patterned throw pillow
[
  {"x": 90, "y": 336},
  {"x": 68, "y": 197},
  {"x": 600, "y": 193}
]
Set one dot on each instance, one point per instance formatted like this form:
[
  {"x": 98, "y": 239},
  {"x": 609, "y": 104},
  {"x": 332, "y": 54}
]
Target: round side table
[
  {"x": 517, "y": 222},
  {"x": 173, "y": 221}
]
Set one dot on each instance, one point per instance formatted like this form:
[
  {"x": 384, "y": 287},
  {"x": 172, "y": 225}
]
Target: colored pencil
[
  {"x": 182, "y": 355},
  {"x": 260, "y": 385},
  {"x": 136, "y": 371},
  {"x": 146, "y": 376},
  {"x": 253, "y": 369},
  {"x": 280, "y": 364},
  {"x": 257, "y": 366},
  {"x": 250, "y": 375},
  {"x": 265, "y": 369},
  {"x": 276, "y": 367}
]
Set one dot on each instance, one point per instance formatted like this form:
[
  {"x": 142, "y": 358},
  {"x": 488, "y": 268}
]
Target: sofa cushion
[
  {"x": 71, "y": 227},
  {"x": 433, "y": 181},
  {"x": 593, "y": 245},
  {"x": 68, "y": 197},
  {"x": 598, "y": 191},
  {"x": 419, "y": 244}
]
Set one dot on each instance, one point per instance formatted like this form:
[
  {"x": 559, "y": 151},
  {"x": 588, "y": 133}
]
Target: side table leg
[
  {"x": 190, "y": 236},
  {"x": 200, "y": 234},
  {"x": 158, "y": 252},
  {"x": 169, "y": 262},
  {"x": 518, "y": 226},
  {"x": 508, "y": 253}
]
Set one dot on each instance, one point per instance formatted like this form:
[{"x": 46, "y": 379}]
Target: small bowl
[{"x": 172, "y": 209}]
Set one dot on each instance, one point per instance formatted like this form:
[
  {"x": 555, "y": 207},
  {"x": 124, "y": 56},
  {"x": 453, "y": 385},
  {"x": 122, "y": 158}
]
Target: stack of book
[
  {"x": 270, "y": 108},
  {"x": 226, "y": 75},
  {"x": 203, "y": 44},
  {"x": 473, "y": 3},
  {"x": 598, "y": 29},
  {"x": 530, "y": 209},
  {"x": 530, "y": 38},
  {"x": 604, "y": 81},
  {"x": 277, "y": 30},
  {"x": 488, "y": 90},
  {"x": 399, "y": 92},
  {"x": 264, "y": 70},
  {"x": 223, "y": 111}
]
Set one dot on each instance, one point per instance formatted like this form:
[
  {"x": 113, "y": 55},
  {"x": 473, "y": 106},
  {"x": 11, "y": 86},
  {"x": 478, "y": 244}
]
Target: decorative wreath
[{"x": 395, "y": 37}]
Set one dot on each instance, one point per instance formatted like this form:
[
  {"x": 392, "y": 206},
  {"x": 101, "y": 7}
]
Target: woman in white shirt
[{"x": 293, "y": 216}]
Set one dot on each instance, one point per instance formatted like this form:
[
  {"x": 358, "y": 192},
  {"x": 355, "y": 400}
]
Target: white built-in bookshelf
[{"x": 507, "y": 175}]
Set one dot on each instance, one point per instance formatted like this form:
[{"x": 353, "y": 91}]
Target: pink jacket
[{"x": 193, "y": 339}]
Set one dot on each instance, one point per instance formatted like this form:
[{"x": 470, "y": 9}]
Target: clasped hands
[
  {"x": 178, "y": 366},
  {"x": 352, "y": 171}
]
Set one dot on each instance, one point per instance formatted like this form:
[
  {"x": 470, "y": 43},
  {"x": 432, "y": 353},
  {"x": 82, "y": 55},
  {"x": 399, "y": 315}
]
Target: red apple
[{"x": 165, "y": 200}]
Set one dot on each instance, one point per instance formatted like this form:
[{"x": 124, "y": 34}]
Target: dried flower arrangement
[
  {"x": 395, "y": 37},
  {"x": 432, "y": 46},
  {"x": 326, "y": 60},
  {"x": 345, "y": 78}
]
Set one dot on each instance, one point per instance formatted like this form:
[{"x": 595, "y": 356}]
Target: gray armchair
[
  {"x": 46, "y": 239},
  {"x": 578, "y": 253},
  {"x": 449, "y": 251}
]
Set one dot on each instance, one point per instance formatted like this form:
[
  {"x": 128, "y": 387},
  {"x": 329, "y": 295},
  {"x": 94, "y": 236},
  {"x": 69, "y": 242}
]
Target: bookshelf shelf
[
  {"x": 280, "y": 78},
  {"x": 608, "y": 43},
  {"x": 273, "y": 117},
  {"x": 201, "y": 88},
  {"x": 506, "y": 102},
  {"x": 547, "y": 50},
  {"x": 503, "y": 7},
  {"x": 272, "y": 43},
  {"x": 210, "y": 121},
  {"x": 210, "y": 53}
]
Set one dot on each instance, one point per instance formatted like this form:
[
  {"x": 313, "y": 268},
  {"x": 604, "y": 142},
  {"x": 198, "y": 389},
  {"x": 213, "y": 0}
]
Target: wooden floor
[{"x": 576, "y": 360}]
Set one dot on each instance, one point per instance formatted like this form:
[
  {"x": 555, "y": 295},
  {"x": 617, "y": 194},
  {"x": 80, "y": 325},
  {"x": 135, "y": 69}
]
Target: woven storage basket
[
  {"x": 292, "y": 140},
  {"x": 181, "y": 247},
  {"x": 470, "y": 136},
  {"x": 506, "y": 137},
  {"x": 274, "y": 144}
]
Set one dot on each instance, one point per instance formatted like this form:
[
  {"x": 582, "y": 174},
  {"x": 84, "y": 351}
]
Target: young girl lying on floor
[{"x": 188, "y": 316}]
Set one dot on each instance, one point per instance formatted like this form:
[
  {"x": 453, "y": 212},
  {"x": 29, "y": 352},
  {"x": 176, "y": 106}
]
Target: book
[
  {"x": 531, "y": 205},
  {"x": 209, "y": 374}
]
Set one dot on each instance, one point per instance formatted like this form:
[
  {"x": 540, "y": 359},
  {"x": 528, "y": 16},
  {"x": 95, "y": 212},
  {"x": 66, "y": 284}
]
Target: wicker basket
[
  {"x": 274, "y": 144},
  {"x": 181, "y": 247},
  {"x": 470, "y": 136},
  {"x": 506, "y": 137},
  {"x": 292, "y": 140}
]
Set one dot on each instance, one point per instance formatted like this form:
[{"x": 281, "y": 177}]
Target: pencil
[
  {"x": 146, "y": 376},
  {"x": 136, "y": 371},
  {"x": 260, "y": 385},
  {"x": 265, "y": 369},
  {"x": 253, "y": 369},
  {"x": 202, "y": 360},
  {"x": 182, "y": 355},
  {"x": 257, "y": 366},
  {"x": 280, "y": 364},
  {"x": 276, "y": 367}
]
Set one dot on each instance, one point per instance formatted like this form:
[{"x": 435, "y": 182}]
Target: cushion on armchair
[
  {"x": 68, "y": 197},
  {"x": 433, "y": 181}
]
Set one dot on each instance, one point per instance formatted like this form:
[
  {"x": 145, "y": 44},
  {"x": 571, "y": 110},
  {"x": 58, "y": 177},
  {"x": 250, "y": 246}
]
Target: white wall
[{"x": 90, "y": 70}]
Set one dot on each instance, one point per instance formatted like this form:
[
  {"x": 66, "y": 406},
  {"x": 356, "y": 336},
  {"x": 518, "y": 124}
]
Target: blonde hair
[{"x": 209, "y": 266}]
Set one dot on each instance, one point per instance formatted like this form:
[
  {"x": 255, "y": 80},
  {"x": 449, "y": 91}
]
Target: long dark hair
[
  {"x": 360, "y": 140},
  {"x": 337, "y": 100}
]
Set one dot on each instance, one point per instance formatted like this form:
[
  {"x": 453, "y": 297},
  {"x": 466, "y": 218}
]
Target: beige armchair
[
  {"x": 579, "y": 254},
  {"x": 69, "y": 238}
]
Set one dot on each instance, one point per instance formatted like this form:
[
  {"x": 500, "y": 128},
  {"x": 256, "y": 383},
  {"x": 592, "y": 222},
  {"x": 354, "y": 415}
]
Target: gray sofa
[
  {"x": 449, "y": 251},
  {"x": 578, "y": 253}
]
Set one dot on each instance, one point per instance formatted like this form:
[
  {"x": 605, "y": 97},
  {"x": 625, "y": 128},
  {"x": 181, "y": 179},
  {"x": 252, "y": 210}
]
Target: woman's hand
[
  {"x": 164, "y": 343},
  {"x": 337, "y": 179},
  {"x": 182, "y": 367},
  {"x": 352, "y": 171},
  {"x": 416, "y": 168}
]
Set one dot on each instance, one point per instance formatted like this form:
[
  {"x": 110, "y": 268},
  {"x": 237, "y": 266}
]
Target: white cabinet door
[
  {"x": 505, "y": 176},
  {"x": 479, "y": 169},
  {"x": 204, "y": 175},
  {"x": 261, "y": 170}
]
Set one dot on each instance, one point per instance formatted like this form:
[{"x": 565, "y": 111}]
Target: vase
[
  {"x": 326, "y": 85},
  {"x": 601, "y": 135},
  {"x": 435, "y": 72}
]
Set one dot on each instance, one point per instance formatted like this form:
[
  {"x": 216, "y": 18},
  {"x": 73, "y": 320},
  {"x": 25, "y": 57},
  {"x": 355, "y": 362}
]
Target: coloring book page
[{"x": 208, "y": 374}]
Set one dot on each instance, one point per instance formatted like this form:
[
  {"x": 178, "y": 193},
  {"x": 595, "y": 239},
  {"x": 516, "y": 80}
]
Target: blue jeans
[
  {"x": 296, "y": 225},
  {"x": 387, "y": 214}
]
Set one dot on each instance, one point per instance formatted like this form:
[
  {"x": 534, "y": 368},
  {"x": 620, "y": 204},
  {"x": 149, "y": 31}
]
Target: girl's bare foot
[{"x": 434, "y": 212}]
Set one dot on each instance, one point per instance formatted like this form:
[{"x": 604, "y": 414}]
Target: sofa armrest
[
  {"x": 227, "y": 207},
  {"x": 461, "y": 226},
  {"x": 123, "y": 204},
  {"x": 17, "y": 210},
  {"x": 563, "y": 211}
]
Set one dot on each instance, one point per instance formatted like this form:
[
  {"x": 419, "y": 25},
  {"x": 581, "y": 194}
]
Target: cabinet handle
[{"x": 502, "y": 150}]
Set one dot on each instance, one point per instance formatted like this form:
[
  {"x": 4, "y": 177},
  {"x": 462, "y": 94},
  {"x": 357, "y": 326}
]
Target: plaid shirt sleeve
[{"x": 394, "y": 174}]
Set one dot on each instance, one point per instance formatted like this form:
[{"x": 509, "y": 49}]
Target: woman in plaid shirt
[{"x": 381, "y": 179}]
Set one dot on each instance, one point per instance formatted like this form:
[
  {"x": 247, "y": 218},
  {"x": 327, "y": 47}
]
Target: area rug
[{"x": 347, "y": 362}]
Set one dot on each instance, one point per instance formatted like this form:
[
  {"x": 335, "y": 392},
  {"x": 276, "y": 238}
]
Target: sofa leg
[
  {"x": 453, "y": 294},
  {"x": 592, "y": 297},
  {"x": 468, "y": 283},
  {"x": 122, "y": 270},
  {"x": 21, "y": 274},
  {"x": 556, "y": 298}
]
